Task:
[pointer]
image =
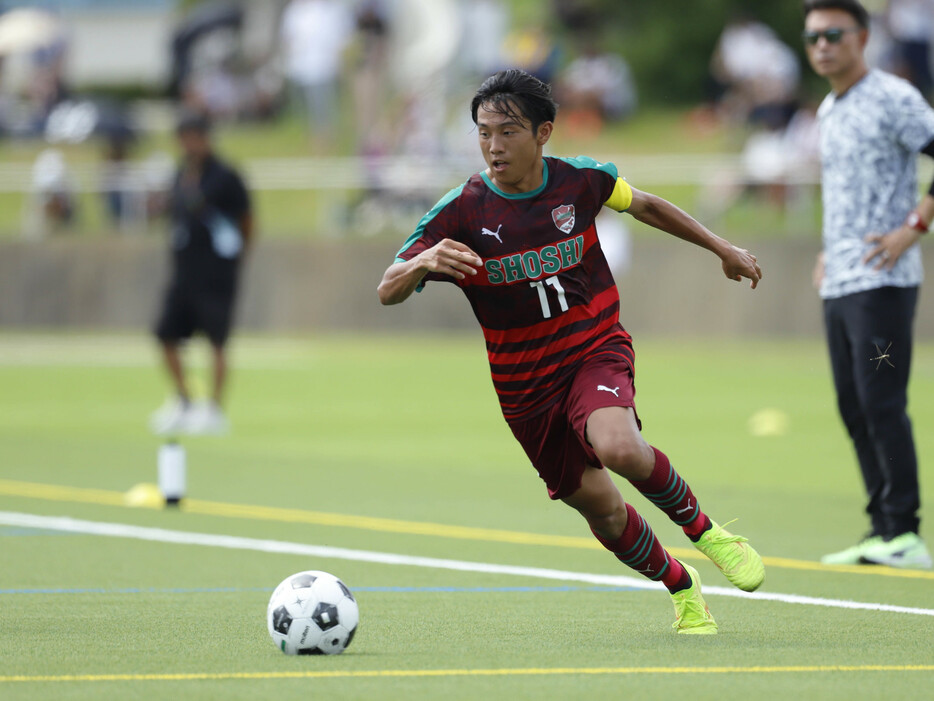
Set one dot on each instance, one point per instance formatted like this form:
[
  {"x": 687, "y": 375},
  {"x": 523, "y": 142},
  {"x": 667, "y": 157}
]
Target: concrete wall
[{"x": 672, "y": 289}]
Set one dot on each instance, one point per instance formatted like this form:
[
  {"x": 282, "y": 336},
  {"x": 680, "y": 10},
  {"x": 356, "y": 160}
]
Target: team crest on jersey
[{"x": 563, "y": 217}]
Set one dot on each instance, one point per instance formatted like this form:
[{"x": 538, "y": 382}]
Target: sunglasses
[{"x": 833, "y": 35}]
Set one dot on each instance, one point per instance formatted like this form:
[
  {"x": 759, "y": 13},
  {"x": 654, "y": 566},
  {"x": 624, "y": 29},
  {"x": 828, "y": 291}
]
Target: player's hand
[
  {"x": 888, "y": 248},
  {"x": 738, "y": 263},
  {"x": 817, "y": 275},
  {"x": 450, "y": 258}
]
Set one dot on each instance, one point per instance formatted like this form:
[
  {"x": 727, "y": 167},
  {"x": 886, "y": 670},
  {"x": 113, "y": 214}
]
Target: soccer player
[
  {"x": 211, "y": 228},
  {"x": 519, "y": 240},
  {"x": 872, "y": 126}
]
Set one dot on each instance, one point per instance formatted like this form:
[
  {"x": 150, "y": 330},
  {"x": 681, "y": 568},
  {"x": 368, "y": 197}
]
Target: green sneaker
[
  {"x": 906, "y": 550},
  {"x": 738, "y": 561},
  {"x": 854, "y": 554},
  {"x": 693, "y": 616}
]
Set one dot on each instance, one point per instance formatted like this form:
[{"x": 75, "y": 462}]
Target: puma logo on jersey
[
  {"x": 604, "y": 388},
  {"x": 494, "y": 234}
]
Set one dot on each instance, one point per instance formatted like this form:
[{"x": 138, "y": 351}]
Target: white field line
[{"x": 161, "y": 535}]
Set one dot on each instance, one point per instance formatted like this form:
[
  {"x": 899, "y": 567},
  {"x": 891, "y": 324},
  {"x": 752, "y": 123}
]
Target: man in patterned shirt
[
  {"x": 872, "y": 126},
  {"x": 519, "y": 240}
]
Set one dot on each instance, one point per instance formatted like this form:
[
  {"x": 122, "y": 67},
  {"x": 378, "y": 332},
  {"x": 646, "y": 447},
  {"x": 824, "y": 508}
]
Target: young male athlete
[{"x": 519, "y": 240}]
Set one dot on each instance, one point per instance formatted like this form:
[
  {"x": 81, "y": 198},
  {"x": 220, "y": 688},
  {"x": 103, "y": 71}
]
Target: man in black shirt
[{"x": 212, "y": 227}]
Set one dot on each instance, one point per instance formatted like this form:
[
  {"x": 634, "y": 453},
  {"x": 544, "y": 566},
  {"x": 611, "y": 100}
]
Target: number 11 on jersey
[{"x": 553, "y": 281}]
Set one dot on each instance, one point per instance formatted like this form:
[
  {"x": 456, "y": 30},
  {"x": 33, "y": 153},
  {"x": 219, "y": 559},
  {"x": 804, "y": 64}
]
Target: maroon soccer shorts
[{"x": 556, "y": 439}]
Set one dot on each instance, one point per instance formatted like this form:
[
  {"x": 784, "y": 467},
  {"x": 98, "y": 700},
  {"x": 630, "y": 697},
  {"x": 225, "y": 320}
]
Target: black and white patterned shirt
[{"x": 869, "y": 141}]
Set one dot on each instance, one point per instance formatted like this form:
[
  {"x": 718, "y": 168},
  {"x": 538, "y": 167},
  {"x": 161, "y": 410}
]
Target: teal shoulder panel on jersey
[
  {"x": 424, "y": 221},
  {"x": 588, "y": 162}
]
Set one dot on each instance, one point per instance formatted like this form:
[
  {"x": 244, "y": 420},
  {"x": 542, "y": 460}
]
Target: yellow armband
[{"x": 621, "y": 197}]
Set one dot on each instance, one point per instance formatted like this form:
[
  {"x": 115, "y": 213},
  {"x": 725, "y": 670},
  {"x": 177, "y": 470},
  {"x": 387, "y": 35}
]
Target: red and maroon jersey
[{"x": 545, "y": 296}]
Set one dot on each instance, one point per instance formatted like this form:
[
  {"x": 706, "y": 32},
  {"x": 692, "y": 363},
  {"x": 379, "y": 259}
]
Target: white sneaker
[
  {"x": 206, "y": 418},
  {"x": 171, "y": 418},
  {"x": 854, "y": 554},
  {"x": 906, "y": 550}
]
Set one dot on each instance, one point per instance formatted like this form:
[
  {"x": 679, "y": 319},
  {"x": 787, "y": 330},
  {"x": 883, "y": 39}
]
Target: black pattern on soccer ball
[
  {"x": 281, "y": 620},
  {"x": 325, "y": 616},
  {"x": 345, "y": 590},
  {"x": 303, "y": 581}
]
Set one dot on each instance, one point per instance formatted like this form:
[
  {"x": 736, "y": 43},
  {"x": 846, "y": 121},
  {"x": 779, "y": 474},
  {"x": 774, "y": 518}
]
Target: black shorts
[{"x": 189, "y": 309}]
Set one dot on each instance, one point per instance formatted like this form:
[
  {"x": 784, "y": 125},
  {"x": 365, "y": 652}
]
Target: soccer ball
[{"x": 312, "y": 613}]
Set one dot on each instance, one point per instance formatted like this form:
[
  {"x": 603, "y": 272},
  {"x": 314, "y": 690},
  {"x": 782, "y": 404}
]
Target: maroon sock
[
  {"x": 639, "y": 549},
  {"x": 669, "y": 492}
]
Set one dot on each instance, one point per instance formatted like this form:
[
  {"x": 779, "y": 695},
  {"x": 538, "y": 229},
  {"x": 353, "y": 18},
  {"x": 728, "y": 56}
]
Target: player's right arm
[{"x": 447, "y": 257}]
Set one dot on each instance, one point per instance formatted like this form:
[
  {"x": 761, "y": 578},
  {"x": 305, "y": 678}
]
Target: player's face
[
  {"x": 835, "y": 54},
  {"x": 195, "y": 143},
  {"x": 512, "y": 151}
]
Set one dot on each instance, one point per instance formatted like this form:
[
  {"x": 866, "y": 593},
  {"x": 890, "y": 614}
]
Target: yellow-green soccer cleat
[
  {"x": 692, "y": 615},
  {"x": 738, "y": 561}
]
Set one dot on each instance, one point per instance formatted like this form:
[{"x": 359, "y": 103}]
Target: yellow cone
[
  {"x": 144, "y": 495},
  {"x": 768, "y": 422}
]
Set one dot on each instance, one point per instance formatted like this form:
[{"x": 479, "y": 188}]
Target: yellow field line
[
  {"x": 517, "y": 672},
  {"x": 52, "y": 492}
]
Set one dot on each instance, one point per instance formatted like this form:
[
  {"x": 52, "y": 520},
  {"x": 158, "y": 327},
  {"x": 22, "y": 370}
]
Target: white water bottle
[{"x": 172, "y": 472}]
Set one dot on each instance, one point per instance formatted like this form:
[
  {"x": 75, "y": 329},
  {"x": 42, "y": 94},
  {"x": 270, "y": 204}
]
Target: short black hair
[
  {"x": 853, "y": 7},
  {"x": 192, "y": 120},
  {"x": 516, "y": 94}
]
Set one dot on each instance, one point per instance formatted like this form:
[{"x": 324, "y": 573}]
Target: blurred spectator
[
  {"x": 911, "y": 25},
  {"x": 210, "y": 73},
  {"x": 124, "y": 202},
  {"x": 425, "y": 40},
  {"x": 211, "y": 230},
  {"x": 533, "y": 49},
  {"x": 371, "y": 76},
  {"x": 51, "y": 208},
  {"x": 755, "y": 75},
  {"x": 879, "y": 48},
  {"x": 215, "y": 90},
  {"x": 777, "y": 165},
  {"x": 314, "y": 36},
  {"x": 423, "y": 43},
  {"x": 596, "y": 87},
  {"x": 32, "y": 57},
  {"x": 484, "y": 26},
  {"x": 775, "y": 160},
  {"x": 211, "y": 23}
]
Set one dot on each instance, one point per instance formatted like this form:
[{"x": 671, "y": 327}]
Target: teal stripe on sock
[
  {"x": 665, "y": 503},
  {"x": 640, "y": 549},
  {"x": 673, "y": 480}
]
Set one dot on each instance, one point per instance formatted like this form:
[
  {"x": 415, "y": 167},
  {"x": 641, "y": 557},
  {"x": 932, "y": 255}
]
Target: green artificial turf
[{"x": 408, "y": 430}]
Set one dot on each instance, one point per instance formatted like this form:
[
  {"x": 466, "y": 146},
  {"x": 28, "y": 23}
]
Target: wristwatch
[{"x": 915, "y": 222}]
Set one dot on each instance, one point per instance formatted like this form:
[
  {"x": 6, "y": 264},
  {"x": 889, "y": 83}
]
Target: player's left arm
[
  {"x": 889, "y": 247},
  {"x": 240, "y": 206},
  {"x": 659, "y": 213}
]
